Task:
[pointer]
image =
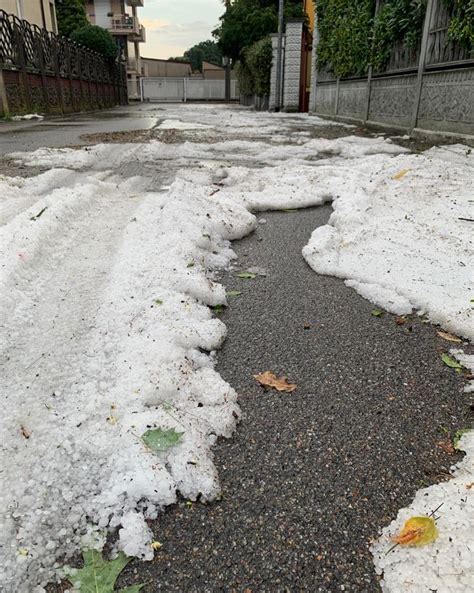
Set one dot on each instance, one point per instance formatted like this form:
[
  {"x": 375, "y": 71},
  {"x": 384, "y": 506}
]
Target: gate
[{"x": 186, "y": 89}]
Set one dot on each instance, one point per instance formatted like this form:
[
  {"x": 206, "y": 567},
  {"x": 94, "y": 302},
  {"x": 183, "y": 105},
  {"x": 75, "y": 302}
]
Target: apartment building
[
  {"x": 41, "y": 13},
  {"x": 120, "y": 18}
]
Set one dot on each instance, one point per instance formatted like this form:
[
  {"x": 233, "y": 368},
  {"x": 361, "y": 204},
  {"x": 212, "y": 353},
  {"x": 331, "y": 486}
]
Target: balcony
[
  {"x": 136, "y": 3},
  {"x": 124, "y": 24},
  {"x": 141, "y": 34}
]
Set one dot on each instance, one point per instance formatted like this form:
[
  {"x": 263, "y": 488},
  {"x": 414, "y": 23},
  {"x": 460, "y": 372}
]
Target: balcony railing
[{"x": 124, "y": 24}]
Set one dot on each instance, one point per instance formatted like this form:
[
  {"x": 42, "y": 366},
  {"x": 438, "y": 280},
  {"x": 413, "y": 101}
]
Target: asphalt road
[{"x": 309, "y": 477}]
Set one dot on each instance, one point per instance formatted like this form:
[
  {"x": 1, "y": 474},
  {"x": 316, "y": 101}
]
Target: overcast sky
[{"x": 173, "y": 26}]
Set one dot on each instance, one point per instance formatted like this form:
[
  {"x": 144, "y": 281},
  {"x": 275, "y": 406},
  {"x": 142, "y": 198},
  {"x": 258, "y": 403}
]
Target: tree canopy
[
  {"x": 71, "y": 15},
  {"x": 96, "y": 38},
  {"x": 208, "y": 51},
  {"x": 246, "y": 21}
]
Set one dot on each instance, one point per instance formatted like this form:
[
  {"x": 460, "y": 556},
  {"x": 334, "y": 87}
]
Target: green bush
[
  {"x": 397, "y": 20},
  {"x": 461, "y": 27},
  {"x": 254, "y": 70},
  {"x": 345, "y": 31},
  {"x": 97, "y": 39}
]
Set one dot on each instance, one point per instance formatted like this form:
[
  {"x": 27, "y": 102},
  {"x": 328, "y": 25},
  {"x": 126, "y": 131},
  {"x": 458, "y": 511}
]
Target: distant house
[
  {"x": 156, "y": 68},
  {"x": 41, "y": 13},
  {"x": 213, "y": 72},
  {"x": 120, "y": 18}
]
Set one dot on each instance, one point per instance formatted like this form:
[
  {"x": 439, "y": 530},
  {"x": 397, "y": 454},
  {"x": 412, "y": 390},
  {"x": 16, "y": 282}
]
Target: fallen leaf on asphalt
[
  {"x": 233, "y": 293},
  {"x": 417, "y": 531},
  {"x": 377, "y": 313},
  {"x": 447, "y": 446},
  {"x": 400, "y": 320},
  {"x": 156, "y": 545},
  {"x": 269, "y": 379},
  {"x": 99, "y": 575},
  {"x": 400, "y": 174},
  {"x": 449, "y": 337},
  {"x": 160, "y": 439},
  {"x": 246, "y": 275},
  {"x": 450, "y": 362}
]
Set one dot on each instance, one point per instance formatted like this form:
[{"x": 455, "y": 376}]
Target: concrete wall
[
  {"x": 446, "y": 102},
  {"x": 30, "y": 10}
]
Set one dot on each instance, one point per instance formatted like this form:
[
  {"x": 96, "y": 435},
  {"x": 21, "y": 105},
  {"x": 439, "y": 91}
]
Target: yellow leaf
[
  {"x": 156, "y": 545},
  {"x": 400, "y": 174},
  {"x": 268, "y": 379},
  {"x": 417, "y": 531}
]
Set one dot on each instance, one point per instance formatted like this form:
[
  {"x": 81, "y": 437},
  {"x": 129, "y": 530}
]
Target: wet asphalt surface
[{"x": 310, "y": 477}]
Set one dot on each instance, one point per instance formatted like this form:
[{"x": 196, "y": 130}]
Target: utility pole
[{"x": 279, "y": 65}]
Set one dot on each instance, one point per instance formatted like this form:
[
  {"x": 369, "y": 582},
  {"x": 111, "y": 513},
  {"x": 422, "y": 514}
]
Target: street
[{"x": 158, "y": 257}]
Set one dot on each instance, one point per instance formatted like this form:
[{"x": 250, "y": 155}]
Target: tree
[
  {"x": 247, "y": 21},
  {"x": 71, "y": 15},
  {"x": 97, "y": 39},
  {"x": 207, "y": 51}
]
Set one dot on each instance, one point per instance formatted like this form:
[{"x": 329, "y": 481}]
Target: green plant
[
  {"x": 461, "y": 26},
  {"x": 345, "y": 32},
  {"x": 258, "y": 58},
  {"x": 97, "y": 39},
  {"x": 396, "y": 21},
  {"x": 71, "y": 15}
]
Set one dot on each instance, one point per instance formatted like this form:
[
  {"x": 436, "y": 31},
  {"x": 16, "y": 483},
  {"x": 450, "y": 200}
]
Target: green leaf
[
  {"x": 457, "y": 436},
  {"x": 160, "y": 439},
  {"x": 218, "y": 309},
  {"x": 191, "y": 264},
  {"x": 233, "y": 293},
  {"x": 377, "y": 313},
  {"x": 450, "y": 362},
  {"x": 99, "y": 575},
  {"x": 132, "y": 589},
  {"x": 158, "y": 301},
  {"x": 247, "y": 275}
]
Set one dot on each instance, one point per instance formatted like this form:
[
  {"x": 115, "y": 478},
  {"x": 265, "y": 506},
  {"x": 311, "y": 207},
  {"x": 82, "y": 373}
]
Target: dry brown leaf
[
  {"x": 470, "y": 486},
  {"x": 268, "y": 379},
  {"x": 25, "y": 432},
  {"x": 400, "y": 320},
  {"x": 449, "y": 337},
  {"x": 447, "y": 446}
]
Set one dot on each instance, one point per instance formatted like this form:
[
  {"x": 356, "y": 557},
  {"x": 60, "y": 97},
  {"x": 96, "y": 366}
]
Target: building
[
  {"x": 156, "y": 68},
  {"x": 41, "y": 13},
  {"x": 120, "y": 18}
]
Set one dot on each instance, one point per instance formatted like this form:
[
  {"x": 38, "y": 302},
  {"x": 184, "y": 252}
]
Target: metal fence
[
  {"x": 41, "y": 71},
  {"x": 186, "y": 89}
]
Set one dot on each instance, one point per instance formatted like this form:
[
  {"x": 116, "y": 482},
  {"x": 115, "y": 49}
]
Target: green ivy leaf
[
  {"x": 247, "y": 275},
  {"x": 99, "y": 575},
  {"x": 160, "y": 439},
  {"x": 233, "y": 293},
  {"x": 377, "y": 313},
  {"x": 450, "y": 362}
]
